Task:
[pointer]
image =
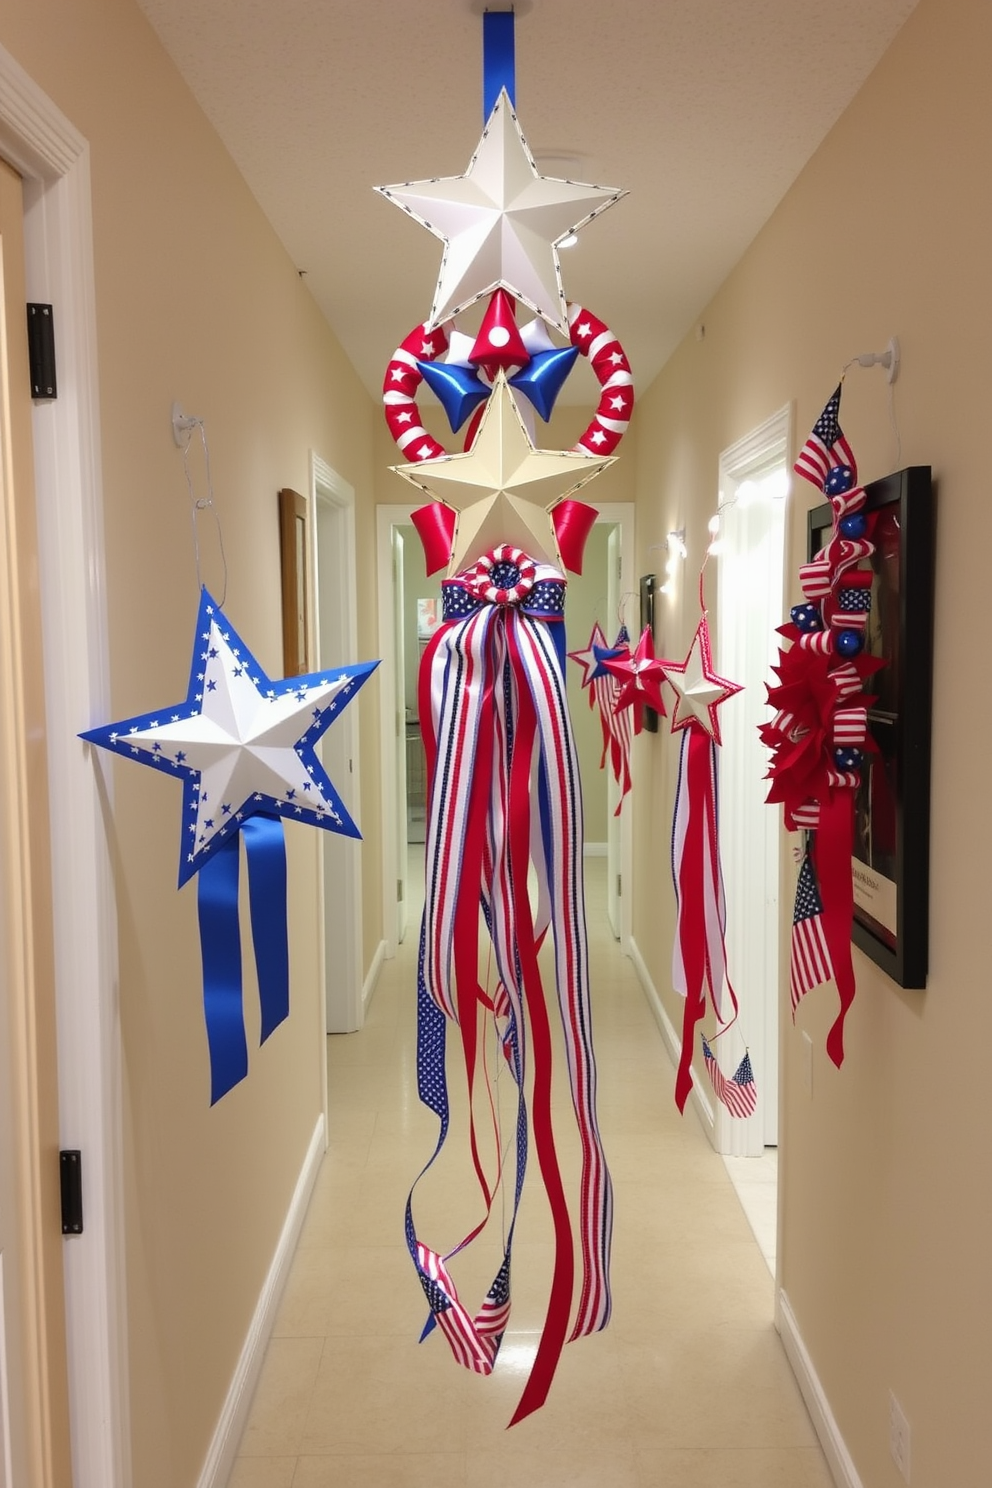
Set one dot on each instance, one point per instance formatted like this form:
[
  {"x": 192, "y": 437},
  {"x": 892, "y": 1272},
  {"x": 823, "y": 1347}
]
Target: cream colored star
[
  {"x": 698, "y": 688},
  {"x": 501, "y": 223},
  {"x": 493, "y": 485}
]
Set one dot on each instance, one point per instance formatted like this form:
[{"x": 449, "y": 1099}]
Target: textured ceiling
[{"x": 705, "y": 110}]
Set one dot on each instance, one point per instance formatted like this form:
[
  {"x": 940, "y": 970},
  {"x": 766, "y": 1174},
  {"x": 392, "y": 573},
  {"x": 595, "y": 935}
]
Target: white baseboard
[
  {"x": 835, "y": 1450},
  {"x": 671, "y": 1039},
  {"x": 233, "y": 1419},
  {"x": 369, "y": 985},
  {"x": 595, "y": 850}
]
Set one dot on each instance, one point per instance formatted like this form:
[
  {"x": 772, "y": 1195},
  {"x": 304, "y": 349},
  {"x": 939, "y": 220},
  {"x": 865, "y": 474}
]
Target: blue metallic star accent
[
  {"x": 459, "y": 390},
  {"x": 544, "y": 377}
]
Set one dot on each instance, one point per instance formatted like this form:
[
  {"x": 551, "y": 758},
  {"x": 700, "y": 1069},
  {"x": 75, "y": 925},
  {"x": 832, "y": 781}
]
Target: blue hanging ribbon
[
  {"x": 220, "y": 948},
  {"x": 220, "y": 945},
  {"x": 265, "y": 845},
  {"x": 498, "y": 63}
]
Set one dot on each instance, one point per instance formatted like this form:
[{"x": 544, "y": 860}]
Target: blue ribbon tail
[
  {"x": 265, "y": 845},
  {"x": 220, "y": 949},
  {"x": 498, "y": 63}
]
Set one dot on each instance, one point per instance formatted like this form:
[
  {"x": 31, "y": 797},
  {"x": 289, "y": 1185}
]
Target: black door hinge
[
  {"x": 71, "y": 1172},
  {"x": 41, "y": 351}
]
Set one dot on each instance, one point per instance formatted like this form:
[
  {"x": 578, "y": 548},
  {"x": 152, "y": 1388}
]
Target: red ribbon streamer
[{"x": 831, "y": 852}]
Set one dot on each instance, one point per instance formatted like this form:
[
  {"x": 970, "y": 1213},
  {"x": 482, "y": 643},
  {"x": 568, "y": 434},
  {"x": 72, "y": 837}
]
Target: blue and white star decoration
[
  {"x": 243, "y": 743},
  {"x": 244, "y": 746}
]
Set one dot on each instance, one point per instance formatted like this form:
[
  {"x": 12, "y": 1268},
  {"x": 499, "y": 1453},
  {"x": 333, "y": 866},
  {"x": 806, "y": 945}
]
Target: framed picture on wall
[
  {"x": 891, "y": 863},
  {"x": 294, "y": 562},
  {"x": 649, "y": 716}
]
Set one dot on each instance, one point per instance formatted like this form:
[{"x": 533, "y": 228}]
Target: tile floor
[{"x": 687, "y": 1388}]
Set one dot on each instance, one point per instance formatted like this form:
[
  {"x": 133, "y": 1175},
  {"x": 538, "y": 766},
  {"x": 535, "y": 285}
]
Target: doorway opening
[
  {"x": 754, "y": 483},
  {"x": 335, "y": 623}
]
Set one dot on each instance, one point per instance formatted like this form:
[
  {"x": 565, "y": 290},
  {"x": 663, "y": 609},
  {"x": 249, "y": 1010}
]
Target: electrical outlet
[
  {"x": 807, "y": 1063},
  {"x": 898, "y": 1436}
]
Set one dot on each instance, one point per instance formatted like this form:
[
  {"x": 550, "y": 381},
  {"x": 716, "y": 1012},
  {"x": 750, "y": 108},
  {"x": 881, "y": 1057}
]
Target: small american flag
[
  {"x": 450, "y": 1316},
  {"x": 739, "y": 1095},
  {"x": 825, "y": 447},
  {"x": 810, "y": 960},
  {"x": 495, "y": 1312}
]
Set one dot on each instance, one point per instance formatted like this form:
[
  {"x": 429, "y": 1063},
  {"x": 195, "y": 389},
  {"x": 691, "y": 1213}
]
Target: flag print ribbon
[{"x": 494, "y": 716}]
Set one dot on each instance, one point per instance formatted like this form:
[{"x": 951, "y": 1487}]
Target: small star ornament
[
  {"x": 698, "y": 689},
  {"x": 242, "y": 743},
  {"x": 493, "y": 484},
  {"x": 501, "y": 223},
  {"x": 640, "y": 675}
]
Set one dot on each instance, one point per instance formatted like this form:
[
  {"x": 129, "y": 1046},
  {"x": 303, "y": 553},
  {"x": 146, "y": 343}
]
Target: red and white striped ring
[
  {"x": 609, "y": 361},
  {"x": 478, "y": 580},
  {"x": 399, "y": 392},
  {"x": 594, "y": 340}
]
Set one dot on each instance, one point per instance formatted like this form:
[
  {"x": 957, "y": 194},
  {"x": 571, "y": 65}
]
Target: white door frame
[
  {"x": 750, "y": 830},
  {"x": 620, "y": 513},
  {"x": 333, "y": 566},
  {"x": 387, "y": 517},
  {"x": 53, "y": 159}
]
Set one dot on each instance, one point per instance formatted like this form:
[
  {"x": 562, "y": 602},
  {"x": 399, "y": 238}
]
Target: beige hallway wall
[
  {"x": 887, "y": 1213},
  {"x": 196, "y": 301}
]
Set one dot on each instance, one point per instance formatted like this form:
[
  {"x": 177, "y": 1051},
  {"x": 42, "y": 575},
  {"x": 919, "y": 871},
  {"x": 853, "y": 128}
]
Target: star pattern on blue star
[{"x": 243, "y": 743}]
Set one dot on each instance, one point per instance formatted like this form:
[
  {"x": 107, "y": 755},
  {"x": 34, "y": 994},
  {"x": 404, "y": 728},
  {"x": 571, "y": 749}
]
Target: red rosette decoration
[{"x": 801, "y": 736}]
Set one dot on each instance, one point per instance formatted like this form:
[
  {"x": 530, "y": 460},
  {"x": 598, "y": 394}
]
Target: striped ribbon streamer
[
  {"x": 699, "y": 957},
  {"x": 493, "y": 710}
]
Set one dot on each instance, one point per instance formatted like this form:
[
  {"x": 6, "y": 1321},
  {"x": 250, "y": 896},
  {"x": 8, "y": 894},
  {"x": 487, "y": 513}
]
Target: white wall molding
[
  {"x": 595, "y": 849},
  {"x": 53, "y": 159},
  {"x": 233, "y": 1418},
  {"x": 839, "y": 1460},
  {"x": 671, "y": 1039},
  {"x": 371, "y": 981}
]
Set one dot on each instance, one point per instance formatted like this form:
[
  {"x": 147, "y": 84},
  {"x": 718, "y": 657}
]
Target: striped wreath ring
[
  {"x": 594, "y": 340},
  {"x": 503, "y": 577}
]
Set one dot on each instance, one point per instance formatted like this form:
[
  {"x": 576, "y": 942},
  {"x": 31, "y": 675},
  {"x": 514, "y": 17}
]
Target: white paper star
[
  {"x": 243, "y": 743},
  {"x": 504, "y": 465},
  {"x": 501, "y": 223}
]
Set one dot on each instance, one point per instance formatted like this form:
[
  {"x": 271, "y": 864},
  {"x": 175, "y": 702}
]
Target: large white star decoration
[
  {"x": 699, "y": 691},
  {"x": 243, "y": 743},
  {"x": 501, "y": 223},
  {"x": 491, "y": 484}
]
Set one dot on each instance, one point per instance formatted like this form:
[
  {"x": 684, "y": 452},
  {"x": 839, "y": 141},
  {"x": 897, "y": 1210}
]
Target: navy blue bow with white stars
[{"x": 244, "y": 746}]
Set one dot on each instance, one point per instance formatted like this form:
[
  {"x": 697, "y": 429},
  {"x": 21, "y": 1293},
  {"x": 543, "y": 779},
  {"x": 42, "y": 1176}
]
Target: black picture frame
[
  {"x": 891, "y": 864},
  {"x": 649, "y": 716}
]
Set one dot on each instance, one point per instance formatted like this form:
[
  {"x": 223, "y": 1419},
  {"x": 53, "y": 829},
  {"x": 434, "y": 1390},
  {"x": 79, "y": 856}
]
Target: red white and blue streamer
[{"x": 495, "y": 720}]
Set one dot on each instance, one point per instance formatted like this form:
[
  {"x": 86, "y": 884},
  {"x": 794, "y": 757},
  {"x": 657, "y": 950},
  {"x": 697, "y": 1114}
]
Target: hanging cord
[{"x": 199, "y": 503}]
